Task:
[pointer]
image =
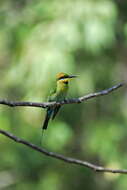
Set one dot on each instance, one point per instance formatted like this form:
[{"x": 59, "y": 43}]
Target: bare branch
[
  {"x": 52, "y": 154},
  {"x": 68, "y": 101},
  {"x": 61, "y": 157}
]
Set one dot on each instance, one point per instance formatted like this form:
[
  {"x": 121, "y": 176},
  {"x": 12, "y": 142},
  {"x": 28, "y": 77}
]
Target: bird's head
[{"x": 64, "y": 78}]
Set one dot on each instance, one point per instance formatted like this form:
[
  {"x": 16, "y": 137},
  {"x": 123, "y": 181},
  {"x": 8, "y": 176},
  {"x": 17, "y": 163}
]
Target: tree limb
[
  {"x": 52, "y": 154},
  {"x": 67, "y": 101},
  {"x": 62, "y": 157}
]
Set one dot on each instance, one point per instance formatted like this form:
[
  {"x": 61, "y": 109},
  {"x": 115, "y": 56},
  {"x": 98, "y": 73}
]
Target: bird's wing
[
  {"x": 52, "y": 94},
  {"x": 50, "y": 110}
]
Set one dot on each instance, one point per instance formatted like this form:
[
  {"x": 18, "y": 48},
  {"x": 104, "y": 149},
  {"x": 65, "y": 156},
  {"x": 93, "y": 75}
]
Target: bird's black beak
[{"x": 72, "y": 76}]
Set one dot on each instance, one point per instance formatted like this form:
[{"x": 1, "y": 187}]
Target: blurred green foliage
[{"x": 83, "y": 37}]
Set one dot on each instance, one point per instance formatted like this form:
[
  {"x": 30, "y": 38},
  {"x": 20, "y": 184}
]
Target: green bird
[{"x": 58, "y": 94}]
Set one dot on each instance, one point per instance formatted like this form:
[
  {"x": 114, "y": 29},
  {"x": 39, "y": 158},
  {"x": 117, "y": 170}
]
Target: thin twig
[
  {"x": 61, "y": 157},
  {"x": 67, "y": 101}
]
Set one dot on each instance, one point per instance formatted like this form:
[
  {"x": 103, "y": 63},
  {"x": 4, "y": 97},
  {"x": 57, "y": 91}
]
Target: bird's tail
[
  {"x": 55, "y": 111},
  {"x": 45, "y": 125},
  {"x": 47, "y": 118}
]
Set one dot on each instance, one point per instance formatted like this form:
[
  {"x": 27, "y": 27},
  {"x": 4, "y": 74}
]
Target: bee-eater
[{"x": 58, "y": 94}]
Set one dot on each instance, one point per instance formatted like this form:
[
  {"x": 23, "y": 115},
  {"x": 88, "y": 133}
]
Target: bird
[{"x": 57, "y": 94}]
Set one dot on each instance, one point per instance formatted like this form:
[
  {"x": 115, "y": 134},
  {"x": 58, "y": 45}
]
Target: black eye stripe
[{"x": 64, "y": 77}]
